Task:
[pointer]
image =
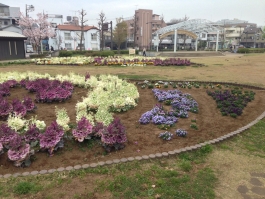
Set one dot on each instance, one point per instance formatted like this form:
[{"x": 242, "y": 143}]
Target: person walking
[{"x": 144, "y": 52}]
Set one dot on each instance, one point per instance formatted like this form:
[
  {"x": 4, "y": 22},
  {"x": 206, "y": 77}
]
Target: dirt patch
[{"x": 142, "y": 139}]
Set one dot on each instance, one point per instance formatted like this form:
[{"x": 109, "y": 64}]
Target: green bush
[
  {"x": 65, "y": 53},
  {"x": 257, "y": 50},
  {"x": 243, "y": 50}
]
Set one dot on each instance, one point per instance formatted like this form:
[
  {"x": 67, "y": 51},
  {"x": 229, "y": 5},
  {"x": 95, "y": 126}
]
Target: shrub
[
  {"x": 185, "y": 165},
  {"x": 65, "y": 53},
  {"x": 243, "y": 50},
  {"x": 24, "y": 188}
]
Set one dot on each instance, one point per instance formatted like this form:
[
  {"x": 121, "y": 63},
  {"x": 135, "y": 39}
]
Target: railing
[{"x": 68, "y": 38}]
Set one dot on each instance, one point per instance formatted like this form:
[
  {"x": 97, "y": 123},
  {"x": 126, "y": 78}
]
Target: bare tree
[
  {"x": 120, "y": 32},
  {"x": 175, "y": 21},
  {"x": 83, "y": 21},
  {"x": 101, "y": 21}
]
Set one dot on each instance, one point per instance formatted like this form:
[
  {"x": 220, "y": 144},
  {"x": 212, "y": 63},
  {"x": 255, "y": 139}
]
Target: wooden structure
[{"x": 12, "y": 45}]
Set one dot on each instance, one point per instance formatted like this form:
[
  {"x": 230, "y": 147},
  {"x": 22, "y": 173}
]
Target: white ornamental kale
[
  {"x": 17, "y": 123},
  {"x": 62, "y": 118}
]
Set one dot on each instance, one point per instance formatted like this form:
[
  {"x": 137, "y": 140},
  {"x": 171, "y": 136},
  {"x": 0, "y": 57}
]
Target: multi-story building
[
  {"x": 230, "y": 33},
  {"x": 252, "y": 37},
  {"x": 141, "y": 26},
  {"x": 8, "y": 17},
  {"x": 69, "y": 36}
]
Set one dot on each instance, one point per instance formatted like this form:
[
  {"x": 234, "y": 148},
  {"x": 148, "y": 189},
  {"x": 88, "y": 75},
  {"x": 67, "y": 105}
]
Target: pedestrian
[
  {"x": 231, "y": 48},
  {"x": 52, "y": 48},
  {"x": 144, "y": 52}
]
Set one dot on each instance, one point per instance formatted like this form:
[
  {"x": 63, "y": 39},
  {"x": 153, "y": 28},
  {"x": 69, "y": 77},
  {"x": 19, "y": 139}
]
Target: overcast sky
[{"x": 252, "y": 11}]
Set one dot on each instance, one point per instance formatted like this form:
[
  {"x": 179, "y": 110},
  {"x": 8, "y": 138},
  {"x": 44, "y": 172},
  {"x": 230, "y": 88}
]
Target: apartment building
[{"x": 141, "y": 26}]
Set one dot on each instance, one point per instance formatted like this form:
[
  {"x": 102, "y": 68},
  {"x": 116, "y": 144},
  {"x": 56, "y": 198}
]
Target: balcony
[
  {"x": 232, "y": 35},
  {"x": 68, "y": 38}
]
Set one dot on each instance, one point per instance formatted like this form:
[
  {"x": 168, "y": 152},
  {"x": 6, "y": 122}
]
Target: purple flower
[
  {"x": 181, "y": 133},
  {"x": 19, "y": 154}
]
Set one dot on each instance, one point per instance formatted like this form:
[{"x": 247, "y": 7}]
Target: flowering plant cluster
[
  {"x": 83, "y": 130},
  {"x": 231, "y": 102},
  {"x": 52, "y": 138},
  {"x": 17, "y": 107},
  {"x": 171, "y": 62},
  {"x": 181, "y": 133},
  {"x": 108, "y": 93},
  {"x": 50, "y": 90},
  {"x": 166, "y": 135}
]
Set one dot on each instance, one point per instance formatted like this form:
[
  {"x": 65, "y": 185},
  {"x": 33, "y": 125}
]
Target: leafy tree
[
  {"x": 263, "y": 35},
  {"x": 120, "y": 32},
  {"x": 36, "y": 29}
]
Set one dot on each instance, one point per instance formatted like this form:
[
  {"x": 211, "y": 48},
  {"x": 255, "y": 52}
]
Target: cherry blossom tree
[{"x": 36, "y": 29}]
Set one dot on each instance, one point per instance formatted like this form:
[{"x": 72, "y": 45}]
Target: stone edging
[{"x": 144, "y": 157}]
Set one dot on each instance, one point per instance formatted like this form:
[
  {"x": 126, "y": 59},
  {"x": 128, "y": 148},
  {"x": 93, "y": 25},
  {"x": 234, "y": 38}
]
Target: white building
[{"x": 68, "y": 37}]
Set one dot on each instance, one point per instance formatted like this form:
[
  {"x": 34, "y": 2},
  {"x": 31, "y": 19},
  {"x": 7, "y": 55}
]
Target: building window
[
  {"x": 68, "y": 46},
  {"x": 94, "y": 36},
  {"x": 54, "y": 25},
  {"x": 67, "y": 36},
  {"x": 5, "y": 22}
]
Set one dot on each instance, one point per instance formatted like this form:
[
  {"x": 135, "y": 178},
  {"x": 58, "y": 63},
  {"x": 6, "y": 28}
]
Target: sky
[{"x": 252, "y": 11}]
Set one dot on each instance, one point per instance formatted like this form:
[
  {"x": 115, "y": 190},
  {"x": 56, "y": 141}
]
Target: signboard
[
  {"x": 156, "y": 41},
  {"x": 131, "y": 51}
]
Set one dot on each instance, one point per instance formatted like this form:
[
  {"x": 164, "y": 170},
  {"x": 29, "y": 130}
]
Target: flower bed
[
  {"x": 94, "y": 118},
  {"x": 112, "y": 61}
]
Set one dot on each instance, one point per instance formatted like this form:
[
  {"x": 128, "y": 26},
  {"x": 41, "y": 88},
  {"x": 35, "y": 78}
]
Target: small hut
[{"x": 12, "y": 45}]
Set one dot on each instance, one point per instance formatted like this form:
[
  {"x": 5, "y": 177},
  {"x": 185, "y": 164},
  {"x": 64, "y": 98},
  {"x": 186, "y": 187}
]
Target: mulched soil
[{"x": 142, "y": 139}]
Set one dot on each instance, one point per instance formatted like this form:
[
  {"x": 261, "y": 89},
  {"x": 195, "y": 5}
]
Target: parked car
[
  {"x": 241, "y": 46},
  {"x": 29, "y": 49},
  {"x": 78, "y": 48}
]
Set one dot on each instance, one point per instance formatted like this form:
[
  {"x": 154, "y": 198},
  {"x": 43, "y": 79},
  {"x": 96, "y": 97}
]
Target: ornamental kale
[
  {"x": 83, "y": 130},
  {"x": 98, "y": 129},
  {"x": 5, "y": 109},
  {"x": 114, "y": 136},
  {"x": 1, "y": 148},
  {"x": 52, "y": 136},
  {"x": 29, "y": 104},
  {"x": 181, "y": 133},
  {"x": 32, "y": 134},
  {"x": 166, "y": 135},
  {"x": 6, "y": 134},
  {"x": 4, "y": 89},
  {"x": 19, "y": 108}
]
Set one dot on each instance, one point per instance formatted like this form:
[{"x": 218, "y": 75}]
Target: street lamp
[{"x": 29, "y": 8}]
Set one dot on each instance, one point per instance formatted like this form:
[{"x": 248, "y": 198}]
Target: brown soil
[{"x": 142, "y": 139}]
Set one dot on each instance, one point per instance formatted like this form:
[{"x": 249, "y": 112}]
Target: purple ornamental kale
[
  {"x": 87, "y": 76},
  {"x": 51, "y": 137},
  {"x": 29, "y": 104},
  {"x": 19, "y": 108},
  {"x": 4, "y": 89},
  {"x": 6, "y": 134},
  {"x": 84, "y": 129},
  {"x": 98, "y": 129},
  {"x": 115, "y": 133},
  {"x": 32, "y": 134},
  {"x": 12, "y": 83},
  {"x": 5, "y": 108}
]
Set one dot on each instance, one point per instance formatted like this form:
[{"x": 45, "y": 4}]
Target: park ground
[{"x": 231, "y": 169}]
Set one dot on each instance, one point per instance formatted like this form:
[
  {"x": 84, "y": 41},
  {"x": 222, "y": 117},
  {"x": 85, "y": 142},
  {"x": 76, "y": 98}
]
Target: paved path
[{"x": 255, "y": 188}]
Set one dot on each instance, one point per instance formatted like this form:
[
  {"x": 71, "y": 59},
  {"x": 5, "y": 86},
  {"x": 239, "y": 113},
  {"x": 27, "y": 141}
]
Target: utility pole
[{"x": 111, "y": 36}]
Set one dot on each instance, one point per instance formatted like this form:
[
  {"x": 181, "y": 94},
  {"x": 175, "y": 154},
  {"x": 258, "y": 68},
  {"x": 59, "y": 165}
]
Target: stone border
[
  {"x": 150, "y": 156},
  {"x": 143, "y": 157}
]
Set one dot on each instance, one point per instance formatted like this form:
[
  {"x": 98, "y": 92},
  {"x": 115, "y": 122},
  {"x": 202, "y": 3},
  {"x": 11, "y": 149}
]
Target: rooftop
[{"x": 11, "y": 34}]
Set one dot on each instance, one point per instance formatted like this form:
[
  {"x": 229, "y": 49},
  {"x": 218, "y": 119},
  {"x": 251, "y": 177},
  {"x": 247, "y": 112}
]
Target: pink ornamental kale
[
  {"x": 84, "y": 129},
  {"x": 51, "y": 137},
  {"x": 32, "y": 134},
  {"x": 19, "y": 108}
]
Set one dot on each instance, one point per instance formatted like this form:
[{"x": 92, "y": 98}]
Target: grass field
[{"x": 211, "y": 172}]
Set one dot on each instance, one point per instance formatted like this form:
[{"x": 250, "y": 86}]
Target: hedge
[
  {"x": 251, "y": 50},
  {"x": 39, "y": 55}
]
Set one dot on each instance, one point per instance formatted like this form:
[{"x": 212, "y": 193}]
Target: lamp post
[{"x": 29, "y": 8}]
